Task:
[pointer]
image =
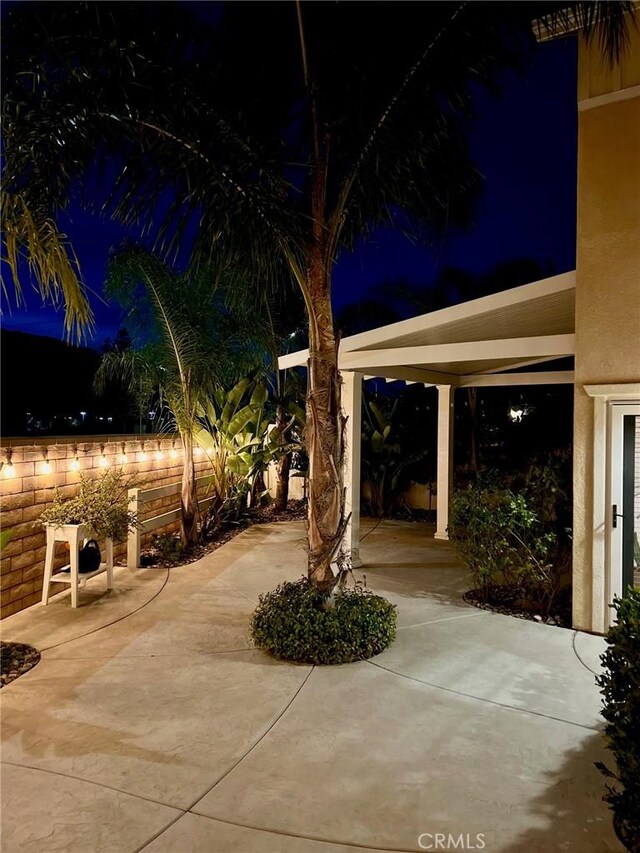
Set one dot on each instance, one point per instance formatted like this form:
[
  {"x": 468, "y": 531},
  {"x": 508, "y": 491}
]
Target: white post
[
  {"x": 445, "y": 459},
  {"x": 108, "y": 546},
  {"x": 74, "y": 546},
  {"x": 135, "y": 535},
  {"x": 352, "y": 406}
]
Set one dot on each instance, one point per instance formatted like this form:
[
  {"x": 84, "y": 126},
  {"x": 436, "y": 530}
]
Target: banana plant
[
  {"x": 384, "y": 458},
  {"x": 239, "y": 444}
]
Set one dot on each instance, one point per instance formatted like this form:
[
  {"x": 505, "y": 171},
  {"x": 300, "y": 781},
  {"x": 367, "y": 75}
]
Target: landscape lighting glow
[
  {"x": 46, "y": 465},
  {"x": 9, "y": 470}
]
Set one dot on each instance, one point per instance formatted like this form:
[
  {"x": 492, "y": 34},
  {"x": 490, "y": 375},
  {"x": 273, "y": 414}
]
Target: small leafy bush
[
  {"x": 296, "y": 622},
  {"x": 495, "y": 532},
  {"x": 620, "y": 687},
  {"x": 101, "y": 504},
  {"x": 511, "y": 534},
  {"x": 168, "y": 546}
]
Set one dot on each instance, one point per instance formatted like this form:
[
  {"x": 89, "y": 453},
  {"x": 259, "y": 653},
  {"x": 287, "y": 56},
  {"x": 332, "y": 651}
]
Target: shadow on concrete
[{"x": 564, "y": 823}]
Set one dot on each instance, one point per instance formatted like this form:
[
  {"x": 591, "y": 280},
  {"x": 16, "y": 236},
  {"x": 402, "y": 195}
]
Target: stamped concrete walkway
[{"x": 150, "y": 723}]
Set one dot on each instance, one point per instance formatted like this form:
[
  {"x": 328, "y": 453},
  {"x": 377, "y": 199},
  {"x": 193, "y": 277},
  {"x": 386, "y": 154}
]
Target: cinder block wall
[{"x": 26, "y": 489}]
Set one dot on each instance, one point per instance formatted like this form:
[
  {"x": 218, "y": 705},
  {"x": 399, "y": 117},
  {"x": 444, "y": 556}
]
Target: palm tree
[
  {"x": 285, "y": 169},
  {"x": 193, "y": 345}
]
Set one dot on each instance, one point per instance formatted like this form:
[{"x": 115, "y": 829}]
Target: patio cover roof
[{"x": 476, "y": 343}]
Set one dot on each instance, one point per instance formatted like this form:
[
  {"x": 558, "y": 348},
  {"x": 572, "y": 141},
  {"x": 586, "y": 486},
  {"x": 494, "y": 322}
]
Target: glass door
[{"x": 624, "y": 539}]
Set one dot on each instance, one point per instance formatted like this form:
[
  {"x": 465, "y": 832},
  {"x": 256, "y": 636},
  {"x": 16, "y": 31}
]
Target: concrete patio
[{"x": 150, "y": 723}]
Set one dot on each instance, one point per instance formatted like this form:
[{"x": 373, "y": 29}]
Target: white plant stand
[{"x": 76, "y": 535}]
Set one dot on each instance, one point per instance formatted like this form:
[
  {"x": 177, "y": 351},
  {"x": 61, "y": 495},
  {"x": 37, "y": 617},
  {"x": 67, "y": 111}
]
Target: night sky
[{"x": 523, "y": 142}]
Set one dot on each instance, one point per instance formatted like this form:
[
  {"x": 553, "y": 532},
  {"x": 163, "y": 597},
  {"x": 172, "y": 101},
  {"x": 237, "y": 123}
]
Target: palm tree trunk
[
  {"x": 325, "y": 433},
  {"x": 283, "y": 466},
  {"x": 189, "y": 513}
]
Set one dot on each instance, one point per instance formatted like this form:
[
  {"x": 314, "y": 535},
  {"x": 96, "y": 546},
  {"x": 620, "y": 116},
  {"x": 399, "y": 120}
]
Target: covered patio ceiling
[
  {"x": 471, "y": 344},
  {"x": 497, "y": 340}
]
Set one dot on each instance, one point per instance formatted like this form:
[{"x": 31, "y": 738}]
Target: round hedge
[{"x": 294, "y": 622}]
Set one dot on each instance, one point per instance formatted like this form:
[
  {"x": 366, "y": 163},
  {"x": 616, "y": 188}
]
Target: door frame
[{"x": 604, "y": 578}]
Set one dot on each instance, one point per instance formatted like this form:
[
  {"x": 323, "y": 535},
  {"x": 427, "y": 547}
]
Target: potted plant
[{"x": 101, "y": 506}]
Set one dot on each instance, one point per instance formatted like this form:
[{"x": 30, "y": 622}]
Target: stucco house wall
[{"x": 607, "y": 274}]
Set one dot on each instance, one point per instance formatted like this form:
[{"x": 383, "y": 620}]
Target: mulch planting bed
[
  {"x": 153, "y": 558},
  {"x": 500, "y": 601}
]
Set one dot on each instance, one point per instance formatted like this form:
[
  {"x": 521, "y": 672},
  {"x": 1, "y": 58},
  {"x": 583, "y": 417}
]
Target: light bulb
[
  {"x": 103, "y": 462},
  {"x": 143, "y": 456},
  {"x": 174, "y": 453},
  {"x": 75, "y": 464},
  {"x": 46, "y": 467},
  {"x": 159, "y": 454},
  {"x": 516, "y": 415},
  {"x": 9, "y": 470},
  {"x": 123, "y": 458}
]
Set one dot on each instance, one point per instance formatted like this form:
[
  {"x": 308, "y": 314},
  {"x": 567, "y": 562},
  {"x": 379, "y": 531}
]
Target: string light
[
  {"x": 159, "y": 453},
  {"x": 123, "y": 456},
  {"x": 75, "y": 462},
  {"x": 174, "y": 452},
  {"x": 46, "y": 465},
  {"x": 143, "y": 453},
  {"x": 9, "y": 470},
  {"x": 103, "y": 462}
]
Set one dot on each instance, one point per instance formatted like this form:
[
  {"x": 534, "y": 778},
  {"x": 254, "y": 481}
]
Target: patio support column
[
  {"x": 445, "y": 459},
  {"x": 352, "y": 406}
]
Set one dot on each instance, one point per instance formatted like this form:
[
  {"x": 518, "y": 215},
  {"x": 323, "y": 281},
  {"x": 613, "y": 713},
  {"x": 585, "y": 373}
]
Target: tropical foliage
[
  {"x": 236, "y": 435},
  {"x": 392, "y": 447},
  {"x": 620, "y": 687},
  {"x": 193, "y": 344},
  {"x": 32, "y": 237}
]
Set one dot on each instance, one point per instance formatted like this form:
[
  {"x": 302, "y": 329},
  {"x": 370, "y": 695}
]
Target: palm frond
[
  {"x": 32, "y": 240},
  {"x": 607, "y": 23}
]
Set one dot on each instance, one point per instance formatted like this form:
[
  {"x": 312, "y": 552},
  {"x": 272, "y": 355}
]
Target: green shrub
[
  {"x": 501, "y": 540},
  {"x": 505, "y": 544},
  {"x": 168, "y": 546},
  {"x": 620, "y": 687},
  {"x": 296, "y": 622}
]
